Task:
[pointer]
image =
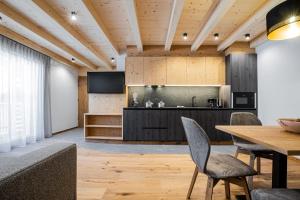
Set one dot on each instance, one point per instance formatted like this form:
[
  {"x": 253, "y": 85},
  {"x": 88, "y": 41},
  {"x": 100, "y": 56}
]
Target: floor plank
[{"x": 155, "y": 176}]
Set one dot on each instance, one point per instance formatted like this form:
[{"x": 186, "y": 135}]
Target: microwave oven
[{"x": 244, "y": 100}]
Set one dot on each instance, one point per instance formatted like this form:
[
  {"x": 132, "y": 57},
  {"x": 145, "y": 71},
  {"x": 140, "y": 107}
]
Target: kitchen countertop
[{"x": 185, "y": 108}]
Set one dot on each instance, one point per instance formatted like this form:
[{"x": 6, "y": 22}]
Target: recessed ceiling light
[
  {"x": 283, "y": 21},
  {"x": 73, "y": 60},
  {"x": 216, "y": 36},
  {"x": 112, "y": 60},
  {"x": 184, "y": 36},
  {"x": 73, "y": 15},
  {"x": 247, "y": 36}
]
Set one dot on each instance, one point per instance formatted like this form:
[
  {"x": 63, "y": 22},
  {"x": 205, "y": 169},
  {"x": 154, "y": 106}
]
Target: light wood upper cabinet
[
  {"x": 155, "y": 70},
  {"x": 215, "y": 70},
  {"x": 134, "y": 70},
  {"x": 176, "y": 70},
  {"x": 196, "y": 74}
]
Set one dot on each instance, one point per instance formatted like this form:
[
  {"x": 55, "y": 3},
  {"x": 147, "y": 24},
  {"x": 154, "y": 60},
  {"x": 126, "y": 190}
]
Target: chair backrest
[
  {"x": 198, "y": 141},
  {"x": 243, "y": 119}
]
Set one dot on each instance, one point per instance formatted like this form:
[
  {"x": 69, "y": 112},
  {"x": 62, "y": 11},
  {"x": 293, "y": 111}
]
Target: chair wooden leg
[
  {"x": 194, "y": 178},
  {"x": 251, "y": 164},
  {"x": 227, "y": 189},
  {"x": 209, "y": 188},
  {"x": 246, "y": 188},
  {"x": 258, "y": 166}
]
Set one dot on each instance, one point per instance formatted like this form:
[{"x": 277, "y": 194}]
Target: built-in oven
[{"x": 244, "y": 100}]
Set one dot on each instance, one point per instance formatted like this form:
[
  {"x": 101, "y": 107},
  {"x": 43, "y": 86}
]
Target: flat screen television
[{"x": 106, "y": 82}]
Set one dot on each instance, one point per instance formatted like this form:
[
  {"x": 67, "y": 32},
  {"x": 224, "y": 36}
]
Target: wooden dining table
[{"x": 283, "y": 144}]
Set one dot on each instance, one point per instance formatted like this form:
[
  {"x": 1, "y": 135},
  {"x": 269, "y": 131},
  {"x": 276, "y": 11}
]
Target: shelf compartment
[
  {"x": 103, "y": 120},
  {"x": 103, "y": 132},
  {"x": 103, "y": 126}
]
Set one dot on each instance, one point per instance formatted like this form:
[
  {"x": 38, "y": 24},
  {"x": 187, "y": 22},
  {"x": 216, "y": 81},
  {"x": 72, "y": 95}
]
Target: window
[{"x": 22, "y": 91}]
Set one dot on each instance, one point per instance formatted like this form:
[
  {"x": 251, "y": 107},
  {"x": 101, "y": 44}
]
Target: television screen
[{"x": 106, "y": 82}]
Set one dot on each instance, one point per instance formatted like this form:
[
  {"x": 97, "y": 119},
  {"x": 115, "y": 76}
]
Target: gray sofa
[{"x": 47, "y": 173}]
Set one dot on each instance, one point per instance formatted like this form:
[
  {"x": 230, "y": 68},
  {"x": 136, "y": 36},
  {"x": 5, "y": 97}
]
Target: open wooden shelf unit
[{"x": 103, "y": 126}]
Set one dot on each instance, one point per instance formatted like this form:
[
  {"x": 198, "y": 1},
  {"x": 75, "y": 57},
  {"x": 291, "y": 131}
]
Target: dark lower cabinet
[{"x": 166, "y": 125}]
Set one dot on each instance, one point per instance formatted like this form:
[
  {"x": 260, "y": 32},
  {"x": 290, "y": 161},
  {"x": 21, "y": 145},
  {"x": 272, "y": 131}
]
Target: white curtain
[{"x": 22, "y": 89}]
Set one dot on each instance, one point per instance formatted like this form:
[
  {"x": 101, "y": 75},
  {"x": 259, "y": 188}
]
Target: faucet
[{"x": 193, "y": 101}]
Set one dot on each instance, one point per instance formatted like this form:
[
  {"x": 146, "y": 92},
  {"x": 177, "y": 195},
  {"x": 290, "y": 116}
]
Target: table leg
[{"x": 279, "y": 171}]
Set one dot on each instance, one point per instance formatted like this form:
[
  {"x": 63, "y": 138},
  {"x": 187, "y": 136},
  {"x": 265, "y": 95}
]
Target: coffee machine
[{"x": 213, "y": 103}]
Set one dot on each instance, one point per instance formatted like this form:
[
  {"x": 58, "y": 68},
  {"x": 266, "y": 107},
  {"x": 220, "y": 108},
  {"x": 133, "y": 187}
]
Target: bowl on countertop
[{"x": 291, "y": 125}]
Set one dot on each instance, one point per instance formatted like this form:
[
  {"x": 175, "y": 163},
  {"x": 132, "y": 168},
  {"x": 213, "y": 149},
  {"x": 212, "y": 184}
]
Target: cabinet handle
[{"x": 155, "y": 127}]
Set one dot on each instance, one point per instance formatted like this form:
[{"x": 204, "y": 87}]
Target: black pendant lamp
[{"x": 283, "y": 21}]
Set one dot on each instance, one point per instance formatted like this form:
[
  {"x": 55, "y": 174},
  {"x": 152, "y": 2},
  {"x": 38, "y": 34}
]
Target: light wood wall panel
[
  {"x": 176, "y": 70},
  {"x": 196, "y": 70},
  {"x": 134, "y": 70},
  {"x": 106, "y": 103},
  {"x": 82, "y": 99},
  {"x": 155, "y": 70}
]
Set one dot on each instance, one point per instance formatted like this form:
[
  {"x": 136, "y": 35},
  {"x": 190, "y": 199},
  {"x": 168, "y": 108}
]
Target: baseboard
[{"x": 55, "y": 133}]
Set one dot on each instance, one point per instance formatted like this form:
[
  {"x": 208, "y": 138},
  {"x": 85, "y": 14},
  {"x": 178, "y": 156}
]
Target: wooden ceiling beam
[
  {"x": 174, "y": 20},
  {"x": 104, "y": 32},
  {"x": 259, "y": 40},
  {"x": 215, "y": 17},
  {"x": 134, "y": 24},
  {"x": 255, "y": 18},
  {"x": 27, "y": 23},
  {"x": 43, "y": 5},
  {"x": 29, "y": 43},
  {"x": 177, "y": 50}
]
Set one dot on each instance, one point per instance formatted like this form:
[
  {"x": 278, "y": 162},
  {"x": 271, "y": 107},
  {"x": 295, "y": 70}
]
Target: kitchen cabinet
[
  {"x": 206, "y": 71},
  {"x": 165, "y": 124},
  {"x": 134, "y": 71},
  {"x": 176, "y": 70},
  {"x": 155, "y": 71},
  {"x": 215, "y": 70},
  {"x": 155, "y": 124},
  {"x": 196, "y": 71},
  {"x": 146, "y": 125},
  {"x": 241, "y": 72}
]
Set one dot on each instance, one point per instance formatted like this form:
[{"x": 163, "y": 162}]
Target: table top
[{"x": 272, "y": 137}]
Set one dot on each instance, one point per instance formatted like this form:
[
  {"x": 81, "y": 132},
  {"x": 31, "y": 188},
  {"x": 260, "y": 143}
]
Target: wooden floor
[{"x": 155, "y": 176}]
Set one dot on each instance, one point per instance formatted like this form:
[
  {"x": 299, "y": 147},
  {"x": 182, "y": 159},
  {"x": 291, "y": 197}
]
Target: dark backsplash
[{"x": 173, "y": 95}]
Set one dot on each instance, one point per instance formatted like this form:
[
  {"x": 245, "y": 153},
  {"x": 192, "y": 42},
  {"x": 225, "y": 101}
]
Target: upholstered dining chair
[
  {"x": 216, "y": 166},
  {"x": 275, "y": 194},
  {"x": 255, "y": 151}
]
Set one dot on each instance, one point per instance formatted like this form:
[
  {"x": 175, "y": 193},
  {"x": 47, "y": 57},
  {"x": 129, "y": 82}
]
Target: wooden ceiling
[{"x": 105, "y": 28}]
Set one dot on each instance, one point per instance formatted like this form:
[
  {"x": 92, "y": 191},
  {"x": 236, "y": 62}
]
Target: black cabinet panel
[
  {"x": 155, "y": 124},
  {"x": 241, "y": 72},
  {"x": 166, "y": 125}
]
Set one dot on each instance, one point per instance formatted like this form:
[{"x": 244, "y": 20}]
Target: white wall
[
  {"x": 279, "y": 80},
  {"x": 64, "y": 97}
]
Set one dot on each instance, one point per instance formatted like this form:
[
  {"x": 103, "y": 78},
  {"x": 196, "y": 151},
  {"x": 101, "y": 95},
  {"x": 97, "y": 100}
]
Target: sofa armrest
[{"x": 46, "y": 174}]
